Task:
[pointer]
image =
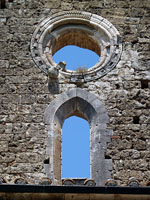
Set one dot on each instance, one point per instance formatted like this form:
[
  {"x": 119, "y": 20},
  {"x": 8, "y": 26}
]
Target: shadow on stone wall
[{"x": 53, "y": 86}]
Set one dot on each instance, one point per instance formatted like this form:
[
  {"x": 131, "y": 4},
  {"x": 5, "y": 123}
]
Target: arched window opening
[
  {"x": 76, "y": 58},
  {"x": 75, "y": 148},
  {"x": 83, "y": 104}
]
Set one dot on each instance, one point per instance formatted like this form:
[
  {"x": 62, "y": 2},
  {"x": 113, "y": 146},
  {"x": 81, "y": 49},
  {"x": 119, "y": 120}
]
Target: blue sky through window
[
  {"x": 75, "y": 148},
  {"x": 76, "y": 57}
]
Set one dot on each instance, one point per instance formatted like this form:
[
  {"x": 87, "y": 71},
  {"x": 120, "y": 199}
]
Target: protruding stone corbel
[
  {"x": 53, "y": 72},
  {"x": 45, "y": 181},
  {"x": 133, "y": 182},
  {"x": 110, "y": 183},
  {"x": 89, "y": 182},
  {"x": 20, "y": 181},
  {"x": 68, "y": 181},
  {"x": 54, "y": 76}
]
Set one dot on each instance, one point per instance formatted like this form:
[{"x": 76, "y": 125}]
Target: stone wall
[{"x": 24, "y": 95}]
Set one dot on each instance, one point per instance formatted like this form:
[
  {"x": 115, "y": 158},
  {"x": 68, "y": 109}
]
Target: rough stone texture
[{"x": 24, "y": 95}]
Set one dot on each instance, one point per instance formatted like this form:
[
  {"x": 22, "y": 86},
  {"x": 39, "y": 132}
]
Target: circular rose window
[{"x": 81, "y": 29}]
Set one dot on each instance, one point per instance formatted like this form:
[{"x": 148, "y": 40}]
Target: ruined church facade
[{"x": 37, "y": 94}]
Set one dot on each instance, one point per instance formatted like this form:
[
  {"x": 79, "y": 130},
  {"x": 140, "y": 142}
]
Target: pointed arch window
[{"x": 78, "y": 102}]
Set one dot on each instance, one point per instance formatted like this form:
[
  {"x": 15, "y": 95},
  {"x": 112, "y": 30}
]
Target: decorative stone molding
[
  {"x": 20, "y": 181},
  {"x": 78, "y": 28},
  {"x": 111, "y": 183},
  {"x": 133, "y": 182},
  {"x": 68, "y": 181},
  {"x": 90, "y": 182},
  {"x": 86, "y": 105},
  {"x": 45, "y": 181}
]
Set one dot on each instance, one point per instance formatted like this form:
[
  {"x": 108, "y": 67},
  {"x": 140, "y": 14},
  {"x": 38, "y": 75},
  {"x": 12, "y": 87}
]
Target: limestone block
[{"x": 3, "y": 146}]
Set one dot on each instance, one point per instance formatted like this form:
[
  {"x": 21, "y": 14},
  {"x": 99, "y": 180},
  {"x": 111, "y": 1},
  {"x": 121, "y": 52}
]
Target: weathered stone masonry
[{"x": 24, "y": 95}]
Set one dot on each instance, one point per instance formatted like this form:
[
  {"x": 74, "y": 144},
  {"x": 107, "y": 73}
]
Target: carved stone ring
[{"x": 78, "y": 28}]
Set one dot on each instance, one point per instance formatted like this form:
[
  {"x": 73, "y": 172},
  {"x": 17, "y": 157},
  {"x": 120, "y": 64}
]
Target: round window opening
[
  {"x": 81, "y": 29},
  {"x": 76, "y": 58}
]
